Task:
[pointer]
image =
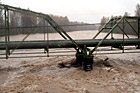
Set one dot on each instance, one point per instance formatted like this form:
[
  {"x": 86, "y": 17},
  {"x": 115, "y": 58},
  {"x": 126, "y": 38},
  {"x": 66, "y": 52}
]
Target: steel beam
[
  {"x": 138, "y": 27},
  {"x": 110, "y": 31},
  {"x": 67, "y": 43},
  {"x": 44, "y": 16}
]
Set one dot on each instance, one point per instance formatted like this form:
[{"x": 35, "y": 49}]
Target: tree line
[
  {"x": 22, "y": 24},
  {"x": 128, "y": 29}
]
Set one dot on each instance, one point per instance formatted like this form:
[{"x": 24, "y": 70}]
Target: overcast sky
[{"x": 90, "y": 11}]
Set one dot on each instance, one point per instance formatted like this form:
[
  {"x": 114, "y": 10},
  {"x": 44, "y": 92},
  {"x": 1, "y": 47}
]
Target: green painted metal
[
  {"x": 112, "y": 32},
  {"x": 123, "y": 31},
  {"x": 138, "y": 27},
  {"x": 20, "y": 43},
  {"x": 7, "y": 37},
  {"x": 123, "y": 35},
  {"x": 111, "y": 22},
  {"x": 47, "y": 41},
  {"x": 115, "y": 22},
  {"x": 82, "y": 45},
  {"x": 102, "y": 28},
  {"x": 105, "y": 36},
  {"x": 44, "y": 16},
  {"x": 68, "y": 44}
]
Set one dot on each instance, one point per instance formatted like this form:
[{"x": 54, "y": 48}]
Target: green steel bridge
[{"x": 84, "y": 49}]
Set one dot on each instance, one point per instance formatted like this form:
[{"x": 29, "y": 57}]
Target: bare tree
[
  {"x": 126, "y": 14},
  {"x": 103, "y": 21},
  {"x": 137, "y": 11}
]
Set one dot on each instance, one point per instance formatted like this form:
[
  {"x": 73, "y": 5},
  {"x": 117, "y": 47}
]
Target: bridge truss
[{"x": 85, "y": 49}]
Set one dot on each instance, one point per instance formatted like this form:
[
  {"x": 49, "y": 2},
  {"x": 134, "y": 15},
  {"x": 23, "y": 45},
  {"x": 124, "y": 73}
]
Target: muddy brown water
[{"x": 3, "y": 77}]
